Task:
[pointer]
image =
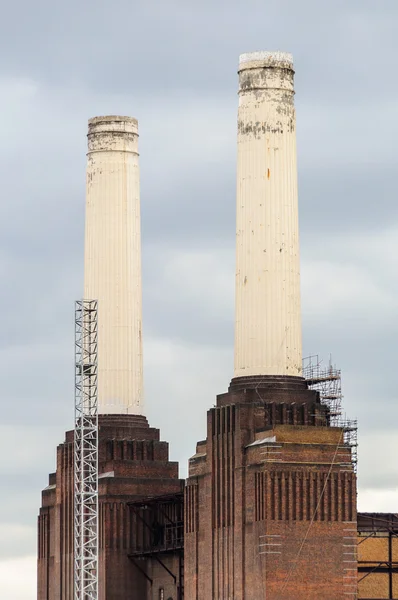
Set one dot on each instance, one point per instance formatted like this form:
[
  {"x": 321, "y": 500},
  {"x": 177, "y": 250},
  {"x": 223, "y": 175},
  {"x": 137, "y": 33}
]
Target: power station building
[
  {"x": 132, "y": 463},
  {"x": 273, "y": 487},
  {"x": 269, "y": 506}
]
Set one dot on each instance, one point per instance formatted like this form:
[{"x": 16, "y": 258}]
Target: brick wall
[
  {"x": 137, "y": 461},
  {"x": 270, "y": 508}
]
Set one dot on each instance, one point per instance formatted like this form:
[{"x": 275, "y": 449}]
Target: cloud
[
  {"x": 18, "y": 578},
  {"x": 27, "y": 455},
  {"x": 342, "y": 286},
  {"x": 13, "y": 537},
  {"x": 378, "y": 500},
  {"x": 198, "y": 295},
  {"x": 376, "y": 470},
  {"x": 181, "y": 383}
]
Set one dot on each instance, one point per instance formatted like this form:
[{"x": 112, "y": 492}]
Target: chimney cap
[
  {"x": 112, "y": 133},
  {"x": 266, "y": 57},
  {"x": 112, "y": 118}
]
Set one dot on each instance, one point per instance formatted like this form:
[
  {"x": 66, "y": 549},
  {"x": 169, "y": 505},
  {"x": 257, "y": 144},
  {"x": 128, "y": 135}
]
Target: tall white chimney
[
  {"x": 268, "y": 319},
  {"x": 112, "y": 265}
]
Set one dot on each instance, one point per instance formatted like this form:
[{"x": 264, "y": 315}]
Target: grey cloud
[
  {"x": 175, "y": 45},
  {"x": 14, "y": 538},
  {"x": 377, "y": 470}
]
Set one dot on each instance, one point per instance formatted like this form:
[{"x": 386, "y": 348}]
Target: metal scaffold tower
[
  {"x": 327, "y": 381},
  {"x": 86, "y": 452}
]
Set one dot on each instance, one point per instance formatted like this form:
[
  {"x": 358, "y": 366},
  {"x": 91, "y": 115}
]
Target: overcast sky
[{"x": 172, "y": 65}]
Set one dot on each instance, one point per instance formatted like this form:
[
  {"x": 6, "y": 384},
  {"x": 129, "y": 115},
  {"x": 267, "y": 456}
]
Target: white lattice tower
[{"x": 86, "y": 452}]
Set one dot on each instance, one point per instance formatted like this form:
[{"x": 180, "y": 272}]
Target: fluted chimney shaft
[
  {"x": 112, "y": 266},
  {"x": 268, "y": 319}
]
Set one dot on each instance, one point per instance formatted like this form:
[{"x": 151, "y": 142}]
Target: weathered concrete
[
  {"x": 112, "y": 268},
  {"x": 268, "y": 320}
]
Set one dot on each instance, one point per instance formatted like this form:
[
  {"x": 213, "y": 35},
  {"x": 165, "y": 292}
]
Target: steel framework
[
  {"x": 384, "y": 526},
  {"x": 158, "y": 526},
  {"x": 86, "y": 452},
  {"x": 327, "y": 381},
  {"x": 350, "y": 427}
]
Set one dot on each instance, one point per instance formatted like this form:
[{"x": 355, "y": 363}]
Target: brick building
[
  {"x": 270, "y": 500},
  {"x": 377, "y": 556},
  {"x": 271, "y": 493},
  {"x": 133, "y": 464}
]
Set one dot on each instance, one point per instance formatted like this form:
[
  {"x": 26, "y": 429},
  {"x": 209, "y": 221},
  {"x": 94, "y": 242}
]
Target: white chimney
[
  {"x": 268, "y": 319},
  {"x": 112, "y": 265}
]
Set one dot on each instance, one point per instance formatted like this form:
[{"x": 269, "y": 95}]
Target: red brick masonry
[
  {"x": 133, "y": 464},
  {"x": 270, "y": 504},
  {"x": 270, "y": 508}
]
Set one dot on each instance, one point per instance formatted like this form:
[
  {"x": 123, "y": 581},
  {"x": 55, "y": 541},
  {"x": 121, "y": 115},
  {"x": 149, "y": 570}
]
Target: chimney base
[{"x": 286, "y": 400}]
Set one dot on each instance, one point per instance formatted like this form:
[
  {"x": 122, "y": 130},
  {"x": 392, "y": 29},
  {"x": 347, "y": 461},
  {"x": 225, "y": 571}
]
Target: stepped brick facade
[
  {"x": 270, "y": 499},
  {"x": 133, "y": 464}
]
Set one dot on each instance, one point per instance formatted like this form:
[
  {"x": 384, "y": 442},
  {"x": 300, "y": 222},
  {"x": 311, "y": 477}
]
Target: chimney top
[
  {"x": 265, "y": 59},
  {"x": 112, "y": 132},
  {"x": 111, "y": 119}
]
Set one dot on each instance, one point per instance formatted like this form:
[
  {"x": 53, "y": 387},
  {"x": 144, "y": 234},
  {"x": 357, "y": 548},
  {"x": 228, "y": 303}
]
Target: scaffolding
[
  {"x": 350, "y": 427},
  {"x": 86, "y": 452},
  {"x": 326, "y": 380}
]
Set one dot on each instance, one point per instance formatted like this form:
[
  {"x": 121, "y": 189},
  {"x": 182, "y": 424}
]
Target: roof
[{"x": 377, "y": 521}]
